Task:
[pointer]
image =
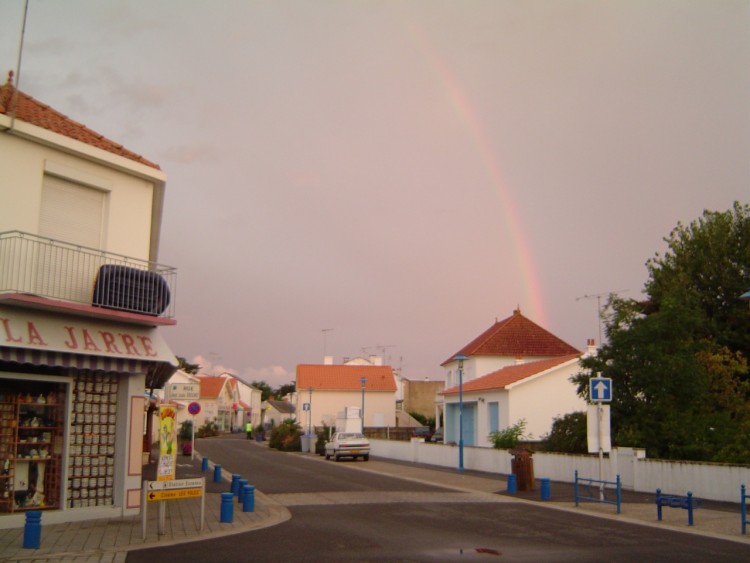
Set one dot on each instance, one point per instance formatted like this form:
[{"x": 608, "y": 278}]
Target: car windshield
[{"x": 350, "y": 436}]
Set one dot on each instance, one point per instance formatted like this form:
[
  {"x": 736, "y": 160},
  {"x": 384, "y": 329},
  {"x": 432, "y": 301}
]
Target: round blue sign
[{"x": 194, "y": 408}]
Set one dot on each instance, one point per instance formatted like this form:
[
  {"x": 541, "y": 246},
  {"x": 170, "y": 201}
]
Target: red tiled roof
[
  {"x": 31, "y": 111},
  {"x": 211, "y": 386},
  {"x": 515, "y": 337},
  {"x": 508, "y": 375},
  {"x": 344, "y": 378}
]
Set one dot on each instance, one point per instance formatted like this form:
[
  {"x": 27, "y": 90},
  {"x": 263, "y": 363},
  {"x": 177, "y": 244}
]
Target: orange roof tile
[
  {"x": 211, "y": 386},
  {"x": 344, "y": 378},
  {"x": 508, "y": 375},
  {"x": 29, "y": 110},
  {"x": 515, "y": 337}
]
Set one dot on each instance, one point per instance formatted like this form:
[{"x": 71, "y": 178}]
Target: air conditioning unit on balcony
[{"x": 130, "y": 289}]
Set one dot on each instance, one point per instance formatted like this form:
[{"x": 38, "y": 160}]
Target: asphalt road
[{"x": 371, "y": 521}]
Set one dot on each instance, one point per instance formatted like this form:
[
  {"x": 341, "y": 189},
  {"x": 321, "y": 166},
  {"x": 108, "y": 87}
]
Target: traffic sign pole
[
  {"x": 193, "y": 408},
  {"x": 600, "y": 391}
]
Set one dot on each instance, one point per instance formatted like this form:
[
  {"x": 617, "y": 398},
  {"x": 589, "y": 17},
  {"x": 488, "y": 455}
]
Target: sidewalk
[
  {"x": 105, "y": 541},
  {"x": 712, "y": 519}
]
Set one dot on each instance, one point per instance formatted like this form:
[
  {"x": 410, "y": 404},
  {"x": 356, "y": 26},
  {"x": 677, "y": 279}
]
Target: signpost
[
  {"x": 176, "y": 489},
  {"x": 600, "y": 391},
  {"x": 193, "y": 408}
]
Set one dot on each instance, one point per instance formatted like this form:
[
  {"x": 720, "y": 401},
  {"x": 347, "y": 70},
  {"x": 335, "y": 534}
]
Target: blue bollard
[
  {"x": 235, "y": 483},
  {"x": 204, "y": 464},
  {"x": 227, "y": 508},
  {"x": 217, "y": 473},
  {"x": 546, "y": 489},
  {"x": 248, "y": 503},
  {"x": 512, "y": 487},
  {"x": 241, "y": 490},
  {"x": 32, "y": 530}
]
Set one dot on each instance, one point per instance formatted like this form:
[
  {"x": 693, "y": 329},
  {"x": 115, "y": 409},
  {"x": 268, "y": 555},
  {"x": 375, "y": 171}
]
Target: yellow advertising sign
[
  {"x": 173, "y": 494},
  {"x": 167, "y": 467}
]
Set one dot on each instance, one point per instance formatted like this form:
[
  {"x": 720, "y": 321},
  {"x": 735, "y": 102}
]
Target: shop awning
[{"x": 37, "y": 338}]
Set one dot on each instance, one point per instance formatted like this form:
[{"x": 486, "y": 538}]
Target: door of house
[{"x": 470, "y": 424}]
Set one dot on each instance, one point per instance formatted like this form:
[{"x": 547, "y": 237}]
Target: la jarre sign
[{"x": 28, "y": 329}]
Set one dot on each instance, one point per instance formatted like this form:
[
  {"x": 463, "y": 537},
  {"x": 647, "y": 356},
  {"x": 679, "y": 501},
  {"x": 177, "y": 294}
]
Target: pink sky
[{"x": 403, "y": 173}]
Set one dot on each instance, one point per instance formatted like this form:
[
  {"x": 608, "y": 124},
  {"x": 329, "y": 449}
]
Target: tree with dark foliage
[{"x": 678, "y": 358}]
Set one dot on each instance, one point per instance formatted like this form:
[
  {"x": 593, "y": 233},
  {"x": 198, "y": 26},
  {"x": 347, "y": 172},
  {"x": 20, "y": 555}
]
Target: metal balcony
[{"x": 54, "y": 270}]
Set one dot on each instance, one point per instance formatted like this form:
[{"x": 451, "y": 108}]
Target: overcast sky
[{"x": 402, "y": 173}]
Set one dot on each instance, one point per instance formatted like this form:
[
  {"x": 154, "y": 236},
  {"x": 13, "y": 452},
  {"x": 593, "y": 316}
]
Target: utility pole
[{"x": 598, "y": 297}]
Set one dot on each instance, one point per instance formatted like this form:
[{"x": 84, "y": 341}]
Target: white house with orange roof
[
  {"x": 514, "y": 370},
  {"x": 219, "y": 402},
  {"x": 249, "y": 405},
  {"x": 332, "y": 389},
  {"x": 224, "y": 399}
]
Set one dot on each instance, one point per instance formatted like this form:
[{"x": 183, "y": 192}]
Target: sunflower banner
[{"x": 167, "y": 444}]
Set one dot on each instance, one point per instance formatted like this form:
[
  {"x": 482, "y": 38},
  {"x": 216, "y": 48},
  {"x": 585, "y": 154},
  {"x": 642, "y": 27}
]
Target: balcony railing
[{"x": 56, "y": 270}]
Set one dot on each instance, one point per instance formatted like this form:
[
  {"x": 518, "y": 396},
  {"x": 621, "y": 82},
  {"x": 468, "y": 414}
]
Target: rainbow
[{"x": 462, "y": 106}]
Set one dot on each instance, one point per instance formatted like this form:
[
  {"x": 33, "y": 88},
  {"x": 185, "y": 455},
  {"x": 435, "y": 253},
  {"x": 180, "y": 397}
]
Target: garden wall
[{"x": 712, "y": 481}]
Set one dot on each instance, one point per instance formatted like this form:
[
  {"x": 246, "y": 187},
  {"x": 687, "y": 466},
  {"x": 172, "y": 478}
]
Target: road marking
[{"x": 383, "y": 497}]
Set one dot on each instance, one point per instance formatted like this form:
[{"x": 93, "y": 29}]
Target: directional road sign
[
  {"x": 184, "y": 391},
  {"x": 600, "y": 388},
  {"x": 174, "y": 494},
  {"x": 175, "y": 484}
]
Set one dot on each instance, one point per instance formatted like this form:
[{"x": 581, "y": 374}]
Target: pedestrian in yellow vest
[{"x": 249, "y": 430}]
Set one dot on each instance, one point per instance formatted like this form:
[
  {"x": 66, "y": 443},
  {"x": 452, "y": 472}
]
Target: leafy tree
[
  {"x": 285, "y": 389},
  {"x": 286, "y": 436},
  {"x": 186, "y": 366},
  {"x": 508, "y": 437},
  {"x": 678, "y": 359},
  {"x": 422, "y": 419},
  {"x": 265, "y": 389},
  {"x": 568, "y": 434}
]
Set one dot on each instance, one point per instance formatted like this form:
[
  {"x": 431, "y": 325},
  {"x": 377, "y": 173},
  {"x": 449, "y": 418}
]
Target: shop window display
[{"x": 32, "y": 418}]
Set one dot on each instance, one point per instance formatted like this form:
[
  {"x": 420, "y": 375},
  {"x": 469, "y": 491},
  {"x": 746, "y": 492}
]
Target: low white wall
[{"x": 705, "y": 480}]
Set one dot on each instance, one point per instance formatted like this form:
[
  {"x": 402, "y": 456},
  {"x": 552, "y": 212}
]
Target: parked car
[
  {"x": 348, "y": 444},
  {"x": 422, "y": 432},
  {"x": 437, "y": 436}
]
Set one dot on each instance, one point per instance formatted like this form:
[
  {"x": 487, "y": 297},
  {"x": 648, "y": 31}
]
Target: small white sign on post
[
  {"x": 183, "y": 391},
  {"x": 598, "y": 429}
]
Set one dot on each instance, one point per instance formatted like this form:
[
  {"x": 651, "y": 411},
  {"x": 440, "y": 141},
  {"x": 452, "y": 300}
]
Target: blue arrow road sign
[{"x": 600, "y": 388}]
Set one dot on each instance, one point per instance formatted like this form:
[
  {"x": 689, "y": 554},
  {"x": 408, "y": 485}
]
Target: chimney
[
  {"x": 519, "y": 359},
  {"x": 328, "y": 360},
  {"x": 591, "y": 347},
  {"x": 376, "y": 360}
]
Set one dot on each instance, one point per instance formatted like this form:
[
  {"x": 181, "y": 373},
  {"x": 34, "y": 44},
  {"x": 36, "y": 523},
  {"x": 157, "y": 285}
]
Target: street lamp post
[
  {"x": 460, "y": 359},
  {"x": 363, "y": 381},
  {"x": 309, "y": 411}
]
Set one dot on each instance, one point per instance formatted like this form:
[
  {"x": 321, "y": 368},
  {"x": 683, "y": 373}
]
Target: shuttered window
[{"x": 72, "y": 212}]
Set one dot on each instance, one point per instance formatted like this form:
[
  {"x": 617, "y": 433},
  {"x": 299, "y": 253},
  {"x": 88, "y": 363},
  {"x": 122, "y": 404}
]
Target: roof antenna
[{"x": 14, "y": 100}]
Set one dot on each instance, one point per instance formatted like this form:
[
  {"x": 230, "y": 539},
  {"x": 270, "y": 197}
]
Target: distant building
[
  {"x": 329, "y": 389},
  {"x": 275, "y": 412},
  {"x": 420, "y": 396}
]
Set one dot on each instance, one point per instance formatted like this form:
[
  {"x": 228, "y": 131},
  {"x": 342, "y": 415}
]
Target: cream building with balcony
[{"x": 82, "y": 305}]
